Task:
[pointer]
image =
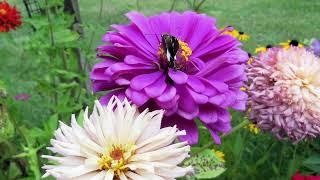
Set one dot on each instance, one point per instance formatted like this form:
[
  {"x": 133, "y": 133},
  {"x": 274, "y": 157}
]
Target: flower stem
[
  {"x": 196, "y": 8},
  {"x": 172, "y": 5},
  {"x": 239, "y": 126}
]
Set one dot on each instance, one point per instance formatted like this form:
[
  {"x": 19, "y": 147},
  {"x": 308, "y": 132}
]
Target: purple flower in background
[
  {"x": 22, "y": 97},
  {"x": 179, "y": 62},
  {"x": 315, "y": 46}
]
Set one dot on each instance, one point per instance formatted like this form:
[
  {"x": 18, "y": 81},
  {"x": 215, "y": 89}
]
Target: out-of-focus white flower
[{"x": 117, "y": 142}]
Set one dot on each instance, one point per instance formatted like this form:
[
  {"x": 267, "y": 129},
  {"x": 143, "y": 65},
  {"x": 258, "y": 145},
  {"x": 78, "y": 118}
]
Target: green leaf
[
  {"x": 80, "y": 118},
  {"x": 314, "y": 159},
  {"x": 65, "y": 74},
  {"x": 14, "y": 171},
  {"x": 211, "y": 174},
  {"x": 52, "y": 123},
  {"x": 206, "y": 165},
  {"x": 313, "y": 163},
  {"x": 63, "y": 36},
  {"x": 6, "y": 126},
  {"x": 37, "y": 21}
]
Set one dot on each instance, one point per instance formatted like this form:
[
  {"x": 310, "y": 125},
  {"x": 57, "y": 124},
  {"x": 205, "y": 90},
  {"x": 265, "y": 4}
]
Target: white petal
[
  {"x": 152, "y": 128},
  {"x": 109, "y": 175}
]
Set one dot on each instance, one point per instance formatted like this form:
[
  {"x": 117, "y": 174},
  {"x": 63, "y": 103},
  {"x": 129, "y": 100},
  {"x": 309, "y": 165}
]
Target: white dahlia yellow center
[{"x": 116, "y": 157}]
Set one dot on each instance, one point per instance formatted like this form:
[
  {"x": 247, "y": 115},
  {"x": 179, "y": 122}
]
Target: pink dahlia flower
[
  {"x": 179, "y": 62},
  {"x": 284, "y": 93}
]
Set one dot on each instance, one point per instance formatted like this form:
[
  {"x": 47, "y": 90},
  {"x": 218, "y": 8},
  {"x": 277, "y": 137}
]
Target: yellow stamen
[
  {"x": 185, "y": 50},
  {"x": 286, "y": 45},
  {"x": 116, "y": 158},
  {"x": 260, "y": 49},
  {"x": 253, "y": 128},
  {"x": 219, "y": 154},
  {"x": 250, "y": 60},
  {"x": 243, "y": 89},
  {"x": 233, "y": 33},
  {"x": 243, "y": 37}
]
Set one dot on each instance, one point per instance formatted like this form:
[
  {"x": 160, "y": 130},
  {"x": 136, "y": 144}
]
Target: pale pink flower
[{"x": 284, "y": 90}]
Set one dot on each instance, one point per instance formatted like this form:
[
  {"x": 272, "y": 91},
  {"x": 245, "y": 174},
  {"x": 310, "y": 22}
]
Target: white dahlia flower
[{"x": 117, "y": 142}]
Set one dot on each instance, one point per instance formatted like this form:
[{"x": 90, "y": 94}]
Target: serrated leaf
[
  {"x": 65, "y": 74},
  {"x": 211, "y": 174},
  {"x": 206, "y": 164},
  {"x": 65, "y": 36}
]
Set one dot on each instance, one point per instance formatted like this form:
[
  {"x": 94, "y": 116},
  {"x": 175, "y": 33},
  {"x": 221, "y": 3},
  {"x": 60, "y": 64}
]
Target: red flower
[
  {"x": 10, "y": 17},
  {"x": 297, "y": 176}
]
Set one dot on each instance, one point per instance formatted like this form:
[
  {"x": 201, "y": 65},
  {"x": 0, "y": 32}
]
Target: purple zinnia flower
[
  {"x": 22, "y": 97},
  {"x": 202, "y": 80},
  {"x": 315, "y": 47},
  {"x": 284, "y": 93}
]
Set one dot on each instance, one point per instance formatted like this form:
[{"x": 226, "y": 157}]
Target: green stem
[
  {"x": 199, "y": 5},
  {"x": 172, "y": 5},
  {"x": 99, "y": 19},
  {"x": 239, "y": 126},
  {"x": 138, "y": 4},
  {"x": 34, "y": 163},
  {"x": 52, "y": 48},
  {"x": 235, "y": 165}
]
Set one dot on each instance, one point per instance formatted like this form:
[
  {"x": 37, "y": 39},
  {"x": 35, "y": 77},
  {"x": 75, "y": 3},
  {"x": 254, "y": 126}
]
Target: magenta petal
[
  {"x": 241, "y": 101},
  {"x": 215, "y": 136},
  {"x": 168, "y": 104},
  {"x": 218, "y": 99},
  {"x": 198, "y": 98},
  {"x": 228, "y": 73},
  {"x": 178, "y": 77},
  {"x": 143, "y": 25},
  {"x": 168, "y": 94},
  {"x": 136, "y": 60},
  {"x": 98, "y": 72},
  {"x": 196, "y": 84},
  {"x": 142, "y": 81},
  {"x": 119, "y": 93},
  {"x": 208, "y": 114},
  {"x": 138, "y": 98},
  {"x": 188, "y": 108},
  {"x": 103, "y": 85},
  {"x": 156, "y": 88},
  {"x": 183, "y": 124},
  {"x": 224, "y": 116}
]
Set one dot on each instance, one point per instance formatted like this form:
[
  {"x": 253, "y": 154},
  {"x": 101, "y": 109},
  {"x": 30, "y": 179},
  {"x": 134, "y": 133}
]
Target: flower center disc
[
  {"x": 3, "y": 12},
  {"x": 116, "y": 158},
  {"x": 182, "y": 56}
]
